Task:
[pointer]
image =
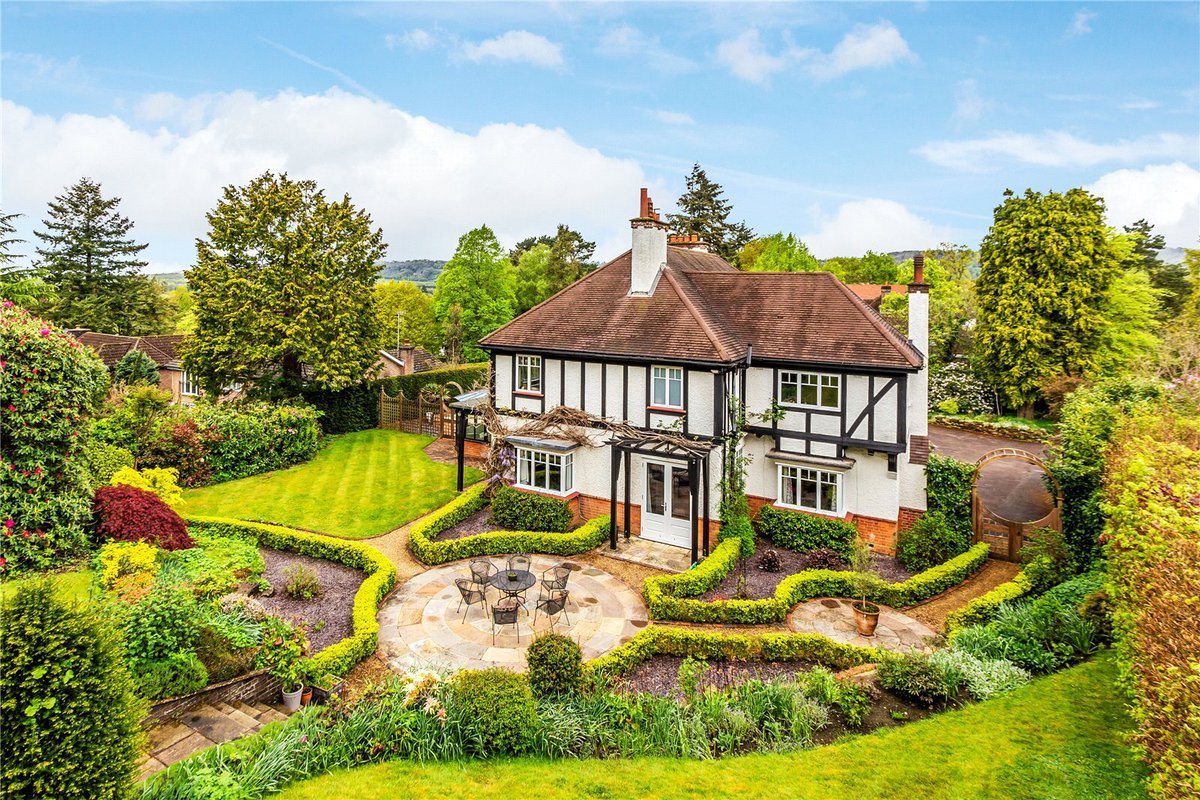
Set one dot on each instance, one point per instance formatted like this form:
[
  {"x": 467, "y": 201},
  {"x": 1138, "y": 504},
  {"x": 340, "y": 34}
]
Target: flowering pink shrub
[{"x": 48, "y": 384}]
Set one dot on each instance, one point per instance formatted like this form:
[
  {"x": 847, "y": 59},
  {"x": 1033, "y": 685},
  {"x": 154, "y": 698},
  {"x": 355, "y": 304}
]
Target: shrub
[
  {"x": 127, "y": 514},
  {"x": 948, "y": 485},
  {"x": 930, "y": 541},
  {"x": 215, "y": 565},
  {"x": 48, "y": 384},
  {"x": 983, "y": 679},
  {"x": 164, "y": 483},
  {"x": 165, "y": 622},
  {"x": 498, "y": 710},
  {"x": 1045, "y": 559},
  {"x": 555, "y": 666},
  {"x": 1041, "y": 636},
  {"x": 739, "y": 528},
  {"x": 118, "y": 562},
  {"x": 105, "y": 460},
  {"x": 301, "y": 582},
  {"x": 794, "y": 530},
  {"x": 135, "y": 367},
  {"x": 67, "y": 705},
  {"x": 1096, "y": 608},
  {"x": 524, "y": 511},
  {"x": 956, "y": 384},
  {"x": 252, "y": 438},
  {"x": 186, "y": 447},
  {"x": 175, "y": 675},
  {"x": 823, "y": 558},
  {"x": 918, "y": 677}
]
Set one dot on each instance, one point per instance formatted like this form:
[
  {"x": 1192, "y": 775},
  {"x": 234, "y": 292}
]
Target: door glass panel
[
  {"x": 655, "y": 481},
  {"x": 681, "y": 495}
]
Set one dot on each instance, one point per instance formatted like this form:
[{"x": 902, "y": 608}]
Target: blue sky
[{"x": 856, "y": 126}]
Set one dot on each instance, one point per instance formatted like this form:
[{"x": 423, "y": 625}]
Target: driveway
[{"x": 1011, "y": 488}]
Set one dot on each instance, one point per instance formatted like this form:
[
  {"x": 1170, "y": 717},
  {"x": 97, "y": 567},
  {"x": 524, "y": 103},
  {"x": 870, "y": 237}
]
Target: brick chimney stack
[{"x": 649, "y": 248}]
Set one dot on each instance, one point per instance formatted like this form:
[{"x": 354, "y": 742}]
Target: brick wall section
[
  {"x": 908, "y": 516},
  {"x": 253, "y": 687}
]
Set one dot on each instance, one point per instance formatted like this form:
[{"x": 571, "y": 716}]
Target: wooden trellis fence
[{"x": 425, "y": 415}]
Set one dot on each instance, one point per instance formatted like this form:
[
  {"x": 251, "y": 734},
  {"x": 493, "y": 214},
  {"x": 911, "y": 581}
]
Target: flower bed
[
  {"x": 984, "y": 607},
  {"x": 672, "y": 597},
  {"x": 381, "y": 577},
  {"x": 422, "y": 536}
]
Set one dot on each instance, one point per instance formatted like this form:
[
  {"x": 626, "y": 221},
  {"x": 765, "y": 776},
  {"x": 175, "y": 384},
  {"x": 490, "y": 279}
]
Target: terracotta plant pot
[
  {"x": 306, "y": 696},
  {"x": 291, "y": 700},
  {"x": 866, "y": 617}
]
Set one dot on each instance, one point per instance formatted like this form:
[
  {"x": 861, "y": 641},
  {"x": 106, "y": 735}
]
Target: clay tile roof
[
  {"x": 873, "y": 293},
  {"x": 704, "y": 310},
  {"x": 112, "y": 347},
  {"x": 918, "y": 452}
]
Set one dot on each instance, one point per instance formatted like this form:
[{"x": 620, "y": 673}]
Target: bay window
[
  {"x": 810, "y": 489},
  {"x": 545, "y": 472}
]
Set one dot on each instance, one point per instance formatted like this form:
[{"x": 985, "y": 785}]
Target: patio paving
[
  {"x": 420, "y": 626},
  {"x": 637, "y": 550},
  {"x": 833, "y": 617}
]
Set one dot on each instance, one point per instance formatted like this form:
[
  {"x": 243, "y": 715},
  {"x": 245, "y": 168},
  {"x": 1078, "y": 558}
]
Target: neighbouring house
[
  {"x": 405, "y": 360},
  {"x": 873, "y": 293},
  {"x": 162, "y": 350},
  {"x": 670, "y": 337}
]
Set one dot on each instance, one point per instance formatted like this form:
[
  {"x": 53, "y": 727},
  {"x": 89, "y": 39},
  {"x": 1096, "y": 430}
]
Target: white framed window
[
  {"x": 666, "y": 387},
  {"x": 810, "y": 489},
  {"x": 188, "y": 385},
  {"x": 546, "y": 472},
  {"x": 810, "y": 389},
  {"x": 529, "y": 374}
]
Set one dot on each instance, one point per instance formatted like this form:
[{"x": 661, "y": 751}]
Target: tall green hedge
[
  {"x": 948, "y": 488},
  {"x": 795, "y": 530},
  {"x": 357, "y": 408}
]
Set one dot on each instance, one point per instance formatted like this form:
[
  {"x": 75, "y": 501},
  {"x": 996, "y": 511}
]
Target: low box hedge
[
  {"x": 421, "y": 536},
  {"x": 983, "y": 608},
  {"x": 661, "y": 640},
  {"x": 672, "y": 597},
  {"x": 338, "y": 658},
  {"x": 795, "y": 530}
]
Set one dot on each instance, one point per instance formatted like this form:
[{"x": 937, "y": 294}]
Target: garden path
[
  {"x": 833, "y": 617},
  {"x": 422, "y": 627},
  {"x": 933, "y": 612},
  {"x": 202, "y": 727}
]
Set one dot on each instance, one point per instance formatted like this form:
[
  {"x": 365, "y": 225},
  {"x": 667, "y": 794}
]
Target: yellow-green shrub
[
  {"x": 118, "y": 560},
  {"x": 163, "y": 482}
]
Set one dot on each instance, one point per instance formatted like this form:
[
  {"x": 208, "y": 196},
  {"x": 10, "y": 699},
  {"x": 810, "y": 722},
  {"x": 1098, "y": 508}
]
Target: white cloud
[
  {"x": 416, "y": 39},
  {"x": 873, "y": 224},
  {"x": 864, "y": 47},
  {"x": 1081, "y": 23},
  {"x": 748, "y": 58},
  {"x": 1139, "y": 104},
  {"x": 423, "y": 183},
  {"x": 516, "y": 46},
  {"x": 672, "y": 117},
  {"x": 1166, "y": 195},
  {"x": 1054, "y": 149},
  {"x": 626, "y": 41},
  {"x": 969, "y": 106}
]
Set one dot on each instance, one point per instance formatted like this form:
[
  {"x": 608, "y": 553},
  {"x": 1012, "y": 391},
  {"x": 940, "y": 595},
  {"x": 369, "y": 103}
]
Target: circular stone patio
[
  {"x": 834, "y": 617},
  {"x": 420, "y": 626}
]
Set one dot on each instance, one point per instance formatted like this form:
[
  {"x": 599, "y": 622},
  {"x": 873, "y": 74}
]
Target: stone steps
[{"x": 204, "y": 726}]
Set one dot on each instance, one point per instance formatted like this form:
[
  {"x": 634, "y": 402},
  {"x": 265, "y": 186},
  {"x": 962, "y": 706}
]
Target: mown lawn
[
  {"x": 73, "y": 585},
  {"x": 1058, "y": 738},
  {"x": 361, "y": 484}
]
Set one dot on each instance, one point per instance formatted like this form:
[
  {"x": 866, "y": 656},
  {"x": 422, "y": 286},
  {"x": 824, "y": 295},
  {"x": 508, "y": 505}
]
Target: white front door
[{"x": 667, "y": 508}]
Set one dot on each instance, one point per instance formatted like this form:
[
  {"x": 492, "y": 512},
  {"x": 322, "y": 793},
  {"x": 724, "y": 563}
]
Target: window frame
[
  {"x": 820, "y": 478},
  {"x": 526, "y": 372},
  {"x": 666, "y": 380},
  {"x": 820, "y": 382},
  {"x": 533, "y": 456},
  {"x": 186, "y": 383}
]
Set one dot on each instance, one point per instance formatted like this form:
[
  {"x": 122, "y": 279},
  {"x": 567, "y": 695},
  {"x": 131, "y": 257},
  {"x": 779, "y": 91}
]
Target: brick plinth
[{"x": 879, "y": 533}]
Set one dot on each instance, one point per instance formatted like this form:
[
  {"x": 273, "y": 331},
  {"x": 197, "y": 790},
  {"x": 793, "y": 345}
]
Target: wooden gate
[
  {"x": 425, "y": 415},
  {"x": 1005, "y": 536}
]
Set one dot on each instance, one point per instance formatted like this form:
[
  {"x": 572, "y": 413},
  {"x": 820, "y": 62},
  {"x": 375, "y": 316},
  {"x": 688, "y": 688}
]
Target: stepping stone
[
  {"x": 149, "y": 767},
  {"x": 247, "y": 721},
  {"x": 193, "y": 743},
  {"x": 214, "y": 725}
]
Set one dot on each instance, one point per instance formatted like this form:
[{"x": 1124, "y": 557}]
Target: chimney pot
[{"x": 919, "y": 268}]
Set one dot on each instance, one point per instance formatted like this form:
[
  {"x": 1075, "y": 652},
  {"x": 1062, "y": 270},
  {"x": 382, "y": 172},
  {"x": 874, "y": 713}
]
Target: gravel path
[
  {"x": 934, "y": 612},
  {"x": 333, "y": 608}
]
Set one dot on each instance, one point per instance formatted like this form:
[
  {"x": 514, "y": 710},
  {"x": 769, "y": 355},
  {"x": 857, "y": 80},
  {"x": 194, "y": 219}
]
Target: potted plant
[
  {"x": 866, "y": 614},
  {"x": 306, "y": 693},
  {"x": 288, "y": 674},
  {"x": 283, "y": 648},
  {"x": 325, "y": 687}
]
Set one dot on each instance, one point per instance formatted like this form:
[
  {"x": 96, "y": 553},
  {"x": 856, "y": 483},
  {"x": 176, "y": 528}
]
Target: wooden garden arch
[{"x": 1006, "y": 536}]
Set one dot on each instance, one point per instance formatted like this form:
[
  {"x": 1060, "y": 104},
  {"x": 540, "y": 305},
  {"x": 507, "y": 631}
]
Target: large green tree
[
  {"x": 284, "y": 290},
  {"x": 532, "y": 282},
  {"x": 872, "y": 267},
  {"x": 1171, "y": 280},
  {"x": 17, "y": 283},
  {"x": 704, "y": 210},
  {"x": 1046, "y": 266},
  {"x": 479, "y": 281},
  {"x": 93, "y": 264},
  {"x": 778, "y": 252},
  {"x": 568, "y": 257},
  {"x": 405, "y": 313}
]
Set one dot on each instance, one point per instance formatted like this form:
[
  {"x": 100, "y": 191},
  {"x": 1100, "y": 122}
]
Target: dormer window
[
  {"x": 810, "y": 389},
  {"x": 666, "y": 389},
  {"x": 529, "y": 374}
]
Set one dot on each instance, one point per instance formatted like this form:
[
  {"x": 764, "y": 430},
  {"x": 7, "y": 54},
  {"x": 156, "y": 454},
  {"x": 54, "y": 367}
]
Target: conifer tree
[
  {"x": 1171, "y": 280},
  {"x": 479, "y": 279},
  {"x": 90, "y": 260},
  {"x": 704, "y": 210},
  {"x": 18, "y": 284}
]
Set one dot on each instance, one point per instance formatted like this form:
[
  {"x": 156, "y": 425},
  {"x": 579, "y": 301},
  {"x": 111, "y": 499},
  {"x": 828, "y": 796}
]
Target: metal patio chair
[
  {"x": 553, "y": 605},
  {"x": 555, "y": 578},
  {"x": 468, "y": 594},
  {"x": 482, "y": 570},
  {"x": 505, "y": 613}
]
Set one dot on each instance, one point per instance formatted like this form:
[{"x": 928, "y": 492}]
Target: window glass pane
[
  {"x": 681, "y": 495},
  {"x": 535, "y": 375},
  {"x": 676, "y": 397},
  {"x": 808, "y": 490},
  {"x": 659, "y": 391},
  {"x": 808, "y": 390},
  {"x": 539, "y": 470},
  {"x": 788, "y": 388},
  {"x": 787, "y": 485},
  {"x": 568, "y": 473},
  {"x": 524, "y": 473},
  {"x": 655, "y": 486},
  {"x": 828, "y": 492},
  {"x": 829, "y": 391},
  {"x": 554, "y": 473}
]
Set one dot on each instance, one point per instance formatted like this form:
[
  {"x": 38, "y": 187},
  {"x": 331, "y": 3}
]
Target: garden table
[{"x": 513, "y": 586}]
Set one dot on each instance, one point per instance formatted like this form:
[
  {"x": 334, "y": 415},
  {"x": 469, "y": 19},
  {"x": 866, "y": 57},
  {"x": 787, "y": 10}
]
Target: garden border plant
[
  {"x": 340, "y": 657},
  {"x": 421, "y": 535},
  {"x": 672, "y": 597}
]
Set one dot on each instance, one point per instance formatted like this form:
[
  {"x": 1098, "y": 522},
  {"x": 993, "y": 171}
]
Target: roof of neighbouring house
[
  {"x": 112, "y": 347},
  {"x": 873, "y": 293},
  {"x": 704, "y": 310},
  {"x": 423, "y": 360}
]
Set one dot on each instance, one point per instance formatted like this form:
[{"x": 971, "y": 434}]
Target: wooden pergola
[{"x": 694, "y": 453}]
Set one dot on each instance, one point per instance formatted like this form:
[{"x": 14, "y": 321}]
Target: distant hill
[
  {"x": 1172, "y": 255},
  {"x": 421, "y": 271},
  {"x": 169, "y": 279}
]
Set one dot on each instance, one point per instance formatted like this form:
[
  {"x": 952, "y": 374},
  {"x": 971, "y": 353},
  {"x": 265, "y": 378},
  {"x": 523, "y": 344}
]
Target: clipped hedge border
[
  {"x": 421, "y": 535},
  {"x": 662, "y": 640},
  {"x": 671, "y": 597},
  {"x": 983, "y": 608},
  {"x": 338, "y": 658}
]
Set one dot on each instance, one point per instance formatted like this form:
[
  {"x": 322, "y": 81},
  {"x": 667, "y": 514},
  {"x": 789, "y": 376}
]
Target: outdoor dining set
[{"x": 512, "y": 580}]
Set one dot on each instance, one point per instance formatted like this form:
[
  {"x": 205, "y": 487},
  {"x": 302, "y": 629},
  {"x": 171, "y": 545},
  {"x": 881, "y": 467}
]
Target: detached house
[
  {"x": 671, "y": 336},
  {"x": 162, "y": 350}
]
